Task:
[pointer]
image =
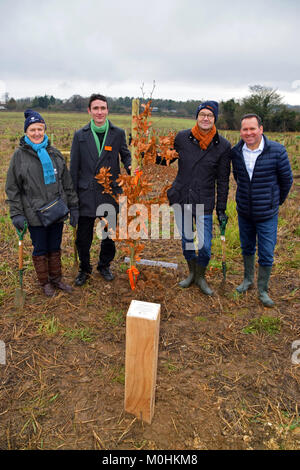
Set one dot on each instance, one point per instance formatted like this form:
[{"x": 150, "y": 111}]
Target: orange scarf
[{"x": 204, "y": 139}]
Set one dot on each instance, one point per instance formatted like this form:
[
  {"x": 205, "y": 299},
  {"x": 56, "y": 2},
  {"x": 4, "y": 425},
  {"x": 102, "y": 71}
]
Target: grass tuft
[{"x": 264, "y": 324}]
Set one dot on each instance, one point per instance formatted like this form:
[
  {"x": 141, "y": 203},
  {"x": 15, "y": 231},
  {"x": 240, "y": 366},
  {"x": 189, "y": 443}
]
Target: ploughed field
[{"x": 227, "y": 373}]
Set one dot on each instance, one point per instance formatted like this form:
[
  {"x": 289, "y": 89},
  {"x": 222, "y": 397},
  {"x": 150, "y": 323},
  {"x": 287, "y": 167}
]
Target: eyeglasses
[{"x": 204, "y": 115}]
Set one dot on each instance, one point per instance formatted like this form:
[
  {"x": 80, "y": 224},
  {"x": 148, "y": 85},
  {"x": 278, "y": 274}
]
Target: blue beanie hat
[
  {"x": 31, "y": 117},
  {"x": 211, "y": 105}
]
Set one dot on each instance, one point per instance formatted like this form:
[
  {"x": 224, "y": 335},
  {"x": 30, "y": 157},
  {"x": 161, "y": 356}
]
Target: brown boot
[
  {"x": 40, "y": 264},
  {"x": 55, "y": 276}
]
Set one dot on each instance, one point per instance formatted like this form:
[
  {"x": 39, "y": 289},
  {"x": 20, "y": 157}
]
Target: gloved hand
[
  {"x": 19, "y": 222},
  {"x": 74, "y": 216},
  {"x": 222, "y": 218}
]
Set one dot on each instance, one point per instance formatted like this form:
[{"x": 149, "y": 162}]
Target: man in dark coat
[
  {"x": 203, "y": 173},
  {"x": 97, "y": 145},
  {"x": 263, "y": 174}
]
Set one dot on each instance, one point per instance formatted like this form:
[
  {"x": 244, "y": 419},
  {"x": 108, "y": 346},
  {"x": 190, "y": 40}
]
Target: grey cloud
[{"x": 229, "y": 43}]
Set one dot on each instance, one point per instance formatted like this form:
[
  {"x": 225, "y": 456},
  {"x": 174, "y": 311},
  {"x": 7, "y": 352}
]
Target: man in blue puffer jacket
[{"x": 264, "y": 177}]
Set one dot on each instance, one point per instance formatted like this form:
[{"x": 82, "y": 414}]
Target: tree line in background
[{"x": 264, "y": 101}]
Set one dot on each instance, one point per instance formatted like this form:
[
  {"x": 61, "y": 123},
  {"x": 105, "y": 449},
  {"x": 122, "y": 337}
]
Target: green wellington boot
[
  {"x": 191, "y": 277},
  {"x": 248, "y": 274},
  {"x": 200, "y": 280},
  {"x": 264, "y": 273}
]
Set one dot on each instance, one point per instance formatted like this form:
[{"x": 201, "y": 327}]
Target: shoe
[
  {"x": 248, "y": 274},
  {"x": 106, "y": 273},
  {"x": 263, "y": 278},
  {"x": 200, "y": 280},
  {"x": 81, "y": 278},
  {"x": 191, "y": 277}
]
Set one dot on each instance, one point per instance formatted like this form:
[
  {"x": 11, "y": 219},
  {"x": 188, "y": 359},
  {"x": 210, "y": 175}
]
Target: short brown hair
[
  {"x": 252, "y": 115},
  {"x": 96, "y": 96}
]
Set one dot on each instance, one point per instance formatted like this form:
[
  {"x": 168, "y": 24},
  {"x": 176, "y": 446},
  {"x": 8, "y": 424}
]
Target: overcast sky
[{"x": 192, "y": 49}]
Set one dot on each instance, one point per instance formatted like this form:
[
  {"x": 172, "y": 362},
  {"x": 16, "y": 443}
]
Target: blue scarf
[{"x": 40, "y": 149}]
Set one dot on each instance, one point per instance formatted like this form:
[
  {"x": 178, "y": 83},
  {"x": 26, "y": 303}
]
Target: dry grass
[{"x": 218, "y": 386}]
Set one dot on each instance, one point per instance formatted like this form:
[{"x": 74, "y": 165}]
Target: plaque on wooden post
[{"x": 142, "y": 335}]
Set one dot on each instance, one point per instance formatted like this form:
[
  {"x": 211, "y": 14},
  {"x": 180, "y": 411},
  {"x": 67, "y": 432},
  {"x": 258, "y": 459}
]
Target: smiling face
[
  {"x": 36, "y": 132},
  {"x": 251, "y": 132},
  {"x": 98, "y": 111},
  {"x": 205, "y": 120}
]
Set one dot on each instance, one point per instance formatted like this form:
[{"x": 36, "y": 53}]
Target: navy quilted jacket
[{"x": 260, "y": 197}]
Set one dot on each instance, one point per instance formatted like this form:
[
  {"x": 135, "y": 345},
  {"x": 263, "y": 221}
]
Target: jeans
[
  {"x": 266, "y": 234},
  {"x": 46, "y": 239},
  {"x": 204, "y": 225},
  {"x": 85, "y": 232}
]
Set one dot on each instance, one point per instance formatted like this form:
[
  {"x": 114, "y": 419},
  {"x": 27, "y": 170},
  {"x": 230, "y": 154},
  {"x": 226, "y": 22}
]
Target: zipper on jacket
[
  {"x": 250, "y": 180},
  {"x": 48, "y": 207}
]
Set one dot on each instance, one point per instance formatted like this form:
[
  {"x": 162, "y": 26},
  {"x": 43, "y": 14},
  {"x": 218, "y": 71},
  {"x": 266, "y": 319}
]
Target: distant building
[
  {"x": 169, "y": 111},
  {"x": 2, "y": 107}
]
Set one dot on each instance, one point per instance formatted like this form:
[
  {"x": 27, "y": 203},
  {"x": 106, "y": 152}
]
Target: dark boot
[
  {"x": 55, "y": 275},
  {"x": 81, "y": 278},
  {"x": 40, "y": 264},
  {"x": 200, "y": 280},
  {"x": 106, "y": 273},
  {"x": 249, "y": 262},
  {"x": 191, "y": 277},
  {"x": 263, "y": 278}
]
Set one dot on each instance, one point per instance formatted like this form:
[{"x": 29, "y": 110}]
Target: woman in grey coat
[{"x": 37, "y": 175}]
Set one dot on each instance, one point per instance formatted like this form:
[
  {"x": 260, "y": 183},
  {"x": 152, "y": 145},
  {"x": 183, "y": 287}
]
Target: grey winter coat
[{"x": 25, "y": 187}]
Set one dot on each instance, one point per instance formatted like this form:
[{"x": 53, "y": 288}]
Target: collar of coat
[{"x": 215, "y": 139}]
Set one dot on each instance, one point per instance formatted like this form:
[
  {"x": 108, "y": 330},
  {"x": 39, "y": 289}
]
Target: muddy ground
[{"x": 219, "y": 386}]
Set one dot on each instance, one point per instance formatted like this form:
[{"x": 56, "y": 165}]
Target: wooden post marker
[
  {"x": 142, "y": 334},
  {"x": 135, "y": 111}
]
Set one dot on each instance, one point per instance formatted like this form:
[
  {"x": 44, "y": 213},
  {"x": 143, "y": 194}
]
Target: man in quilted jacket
[{"x": 263, "y": 174}]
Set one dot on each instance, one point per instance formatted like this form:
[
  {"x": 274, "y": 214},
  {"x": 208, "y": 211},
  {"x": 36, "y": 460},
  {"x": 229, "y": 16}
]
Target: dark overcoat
[
  {"x": 201, "y": 173},
  {"x": 86, "y": 163}
]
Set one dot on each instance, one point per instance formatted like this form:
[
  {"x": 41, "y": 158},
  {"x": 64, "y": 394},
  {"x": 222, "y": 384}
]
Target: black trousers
[{"x": 85, "y": 232}]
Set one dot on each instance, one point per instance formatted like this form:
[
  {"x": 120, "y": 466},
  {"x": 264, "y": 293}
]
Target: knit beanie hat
[
  {"x": 213, "y": 106},
  {"x": 31, "y": 117}
]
